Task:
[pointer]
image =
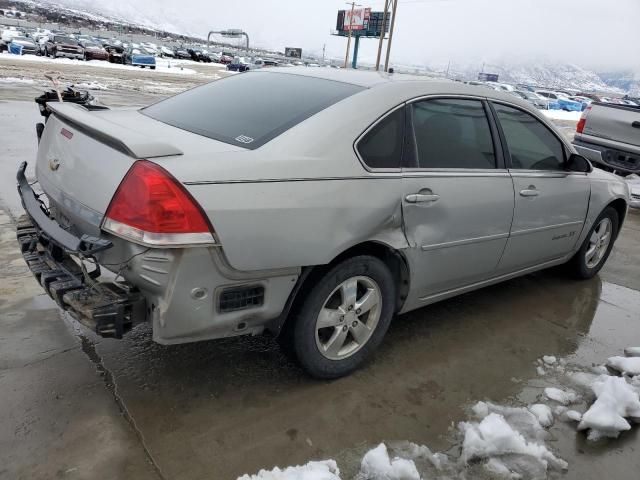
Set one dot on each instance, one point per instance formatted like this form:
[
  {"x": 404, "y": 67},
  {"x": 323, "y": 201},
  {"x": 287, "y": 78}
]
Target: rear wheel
[
  {"x": 344, "y": 317},
  {"x": 597, "y": 246}
]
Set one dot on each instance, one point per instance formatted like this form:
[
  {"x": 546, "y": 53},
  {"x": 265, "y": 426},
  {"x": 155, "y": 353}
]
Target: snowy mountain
[
  {"x": 627, "y": 81},
  {"x": 544, "y": 74}
]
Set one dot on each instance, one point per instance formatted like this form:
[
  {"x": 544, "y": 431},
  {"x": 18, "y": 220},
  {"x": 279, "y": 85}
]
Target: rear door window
[
  {"x": 452, "y": 133},
  {"x": 251, "y": 108}
]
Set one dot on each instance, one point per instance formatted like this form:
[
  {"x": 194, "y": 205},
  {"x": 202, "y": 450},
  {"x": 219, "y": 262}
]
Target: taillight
[
  {"x": 153, "y": 208},
  {"x": 583, "y": 120}
]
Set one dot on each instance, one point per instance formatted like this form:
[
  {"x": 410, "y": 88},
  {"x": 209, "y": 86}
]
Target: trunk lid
[{"x": 84, "y": 155}]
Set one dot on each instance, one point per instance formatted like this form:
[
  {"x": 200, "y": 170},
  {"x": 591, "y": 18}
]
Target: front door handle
[
  {"x": 529, "y": 192},
  {"x": 422, "y": 198}
]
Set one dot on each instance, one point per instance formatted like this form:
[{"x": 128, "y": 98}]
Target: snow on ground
[
  {"x": 505, "y": 441},
  {"x": 562, "y": 115},
  {"x": 28, "y": 81},
  {"x": 324, "y": 470},
  {"x": 162, "y": 65}
]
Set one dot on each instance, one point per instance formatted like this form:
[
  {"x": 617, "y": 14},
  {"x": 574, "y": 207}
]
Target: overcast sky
[{"x": 591, "y": 33}]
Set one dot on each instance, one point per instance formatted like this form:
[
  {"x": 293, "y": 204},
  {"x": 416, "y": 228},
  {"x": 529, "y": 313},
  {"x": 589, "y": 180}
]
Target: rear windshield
[{"x": 249, "y": 109}]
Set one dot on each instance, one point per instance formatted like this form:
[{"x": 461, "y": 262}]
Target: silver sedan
[{"x": 313, "y": 204}]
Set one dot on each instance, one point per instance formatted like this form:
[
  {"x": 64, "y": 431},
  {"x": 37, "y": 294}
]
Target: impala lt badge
[{"x": 54, "y": 164}]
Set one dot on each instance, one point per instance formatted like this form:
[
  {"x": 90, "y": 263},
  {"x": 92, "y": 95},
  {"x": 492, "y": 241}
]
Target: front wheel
[
  {"x": 597, "y": 246},
  {"x": 344, "y": 317}
]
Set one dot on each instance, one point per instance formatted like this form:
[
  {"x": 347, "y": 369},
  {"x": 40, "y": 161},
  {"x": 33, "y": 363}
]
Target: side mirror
[{"x": 577, "y": 163}]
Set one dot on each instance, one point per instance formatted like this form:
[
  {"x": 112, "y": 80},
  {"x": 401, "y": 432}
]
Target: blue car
[
  {"x": 563, "y": 102},
  {"x": 22, "y": 46},
  {"x": 137, "y": 58}
]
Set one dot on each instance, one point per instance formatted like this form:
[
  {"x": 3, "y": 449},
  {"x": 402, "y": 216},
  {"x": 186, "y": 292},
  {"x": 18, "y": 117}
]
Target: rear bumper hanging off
[{"x": 108, "y": 308}]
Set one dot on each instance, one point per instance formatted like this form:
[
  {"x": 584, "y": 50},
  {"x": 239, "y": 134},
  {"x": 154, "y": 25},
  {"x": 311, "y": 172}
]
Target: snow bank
[
  {"x": 16, "y": 80},
  {"x": 625, "y": 365},
  {"x": 376, "y": 465},
  {"x": 323, "y": 470},
  {"x": 562, "y": 115},
  {"x": 494, "y": 437},
  {"x": 616, "y": 401},
  {"x": 162, "y": 65}
]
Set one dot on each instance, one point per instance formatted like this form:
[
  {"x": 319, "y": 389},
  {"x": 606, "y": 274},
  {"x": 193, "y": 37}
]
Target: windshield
[
  {"x": 250, "y": 109},
  {"x": 65, "y": 40}
]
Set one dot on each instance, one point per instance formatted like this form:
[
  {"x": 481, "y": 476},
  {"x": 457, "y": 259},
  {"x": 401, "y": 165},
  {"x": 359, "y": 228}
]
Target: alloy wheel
[
  {"x": 598, "y": 243},
  {"x": 348, "y": 317}
]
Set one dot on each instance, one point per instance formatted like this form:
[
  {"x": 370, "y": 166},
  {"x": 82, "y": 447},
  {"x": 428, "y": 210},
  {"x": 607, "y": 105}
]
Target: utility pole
[
  {"x": 393, "y": 23},
  {"x": 346, "y": 57},
  {"x": 324, "y": 47},
  {"x": 385, "y": 15}
]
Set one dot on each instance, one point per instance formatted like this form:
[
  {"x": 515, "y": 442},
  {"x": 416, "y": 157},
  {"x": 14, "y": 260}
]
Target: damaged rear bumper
[{"x": 108, "y": 308}]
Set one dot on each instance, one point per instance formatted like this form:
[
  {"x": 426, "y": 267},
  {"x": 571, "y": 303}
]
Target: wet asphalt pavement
[{"x": 73, "y": 405}]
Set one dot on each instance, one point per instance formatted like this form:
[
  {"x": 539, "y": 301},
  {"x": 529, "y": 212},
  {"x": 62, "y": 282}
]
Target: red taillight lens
[
  {"x": 583, "y": 120},
  {"x": 152, "y": 207}
]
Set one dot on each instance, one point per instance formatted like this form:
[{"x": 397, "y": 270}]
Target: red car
[{"x": 93, "y": 51}]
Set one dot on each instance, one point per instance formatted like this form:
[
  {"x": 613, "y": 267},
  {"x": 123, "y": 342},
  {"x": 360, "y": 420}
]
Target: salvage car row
[{"x": 554, "y": 99}]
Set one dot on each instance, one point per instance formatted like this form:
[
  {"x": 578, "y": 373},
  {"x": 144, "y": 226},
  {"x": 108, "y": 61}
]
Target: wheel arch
[
  {"x": 620, "y": 206},
  {"x": 393, "y": 258}
]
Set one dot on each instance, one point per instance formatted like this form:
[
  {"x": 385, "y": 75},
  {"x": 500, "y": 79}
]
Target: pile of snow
[
  {"x": 510, "y": 439},
  {"x": 564, "y": 397},
  {"x": 377, "y": 465},
  {"x": 626, "y": 366},
  {"x": 616, "y": 401},
  {"x": 323, "y": 470}
]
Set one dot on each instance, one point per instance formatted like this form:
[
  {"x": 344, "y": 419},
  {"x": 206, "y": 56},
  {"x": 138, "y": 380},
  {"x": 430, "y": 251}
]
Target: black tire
[
  {"x": 578, "y": 264},
  {"x": 301, "y": 337},
  {"x": 153, "y": 68}
]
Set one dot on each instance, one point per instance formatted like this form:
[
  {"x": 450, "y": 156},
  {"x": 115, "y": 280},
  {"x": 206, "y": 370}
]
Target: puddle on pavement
[{"x": 233, "y": 406}]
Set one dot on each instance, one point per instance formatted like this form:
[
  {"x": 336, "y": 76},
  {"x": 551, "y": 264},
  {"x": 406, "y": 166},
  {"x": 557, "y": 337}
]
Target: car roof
[{"x": 371, "y": 79}]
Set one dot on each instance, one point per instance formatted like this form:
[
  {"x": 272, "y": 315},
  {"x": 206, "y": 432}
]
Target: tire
[
  {"x": 152, "y": 68},
  {"x": 586, "y": 263},
  {"x": 335, "y": 350}
]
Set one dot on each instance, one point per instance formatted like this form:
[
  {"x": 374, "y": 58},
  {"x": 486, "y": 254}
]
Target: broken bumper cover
[{"x": 108, "y": 308}]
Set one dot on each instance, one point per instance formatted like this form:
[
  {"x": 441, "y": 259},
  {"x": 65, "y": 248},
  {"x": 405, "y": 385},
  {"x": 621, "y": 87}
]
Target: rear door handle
[
  {"x": 529, "y": 192},
  {"x": 635, "y": 124},
  {"x": 422, "y": 198}
]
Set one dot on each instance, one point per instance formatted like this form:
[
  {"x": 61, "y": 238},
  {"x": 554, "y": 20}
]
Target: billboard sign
[
  {"x": 357, "y": 19},
  {"x": 292, "y": 52},
  {"x": 488, "y": 77}
]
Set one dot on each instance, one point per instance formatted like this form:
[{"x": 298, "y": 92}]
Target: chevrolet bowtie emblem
[{"x": 54, "y": 164}]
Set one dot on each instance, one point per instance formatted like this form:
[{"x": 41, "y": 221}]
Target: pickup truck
[{"x": 609, "y": 136}]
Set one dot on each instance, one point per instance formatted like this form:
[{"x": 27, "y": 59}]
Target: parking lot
[{"x": 74, "y": 405}]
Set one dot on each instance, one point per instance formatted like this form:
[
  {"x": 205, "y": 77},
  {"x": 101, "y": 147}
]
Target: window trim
[
  {"x": 373, "y": 125},
  {"x": 500, "y": 166},
  {"x": 507, "y": 154}
]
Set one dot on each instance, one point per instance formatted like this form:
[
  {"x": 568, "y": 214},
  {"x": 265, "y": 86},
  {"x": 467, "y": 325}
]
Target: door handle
[
  {"x": 422, "y": 198},
  {"x": 635, "y": 124},
  {"x": 529, "y": 192}
]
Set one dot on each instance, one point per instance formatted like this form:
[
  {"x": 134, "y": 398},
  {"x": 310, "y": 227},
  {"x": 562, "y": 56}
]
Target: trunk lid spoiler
[{"x": 118, "y": 137}]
